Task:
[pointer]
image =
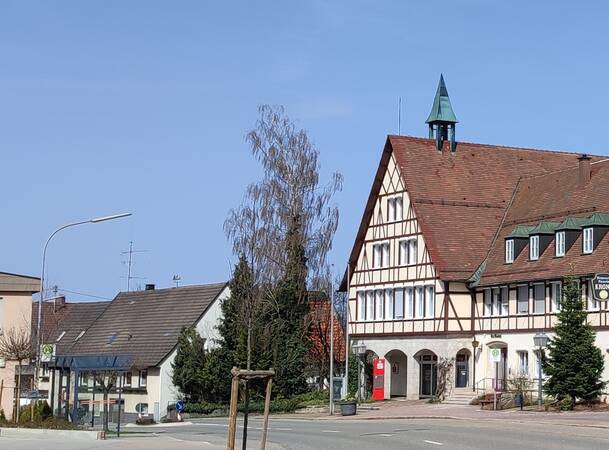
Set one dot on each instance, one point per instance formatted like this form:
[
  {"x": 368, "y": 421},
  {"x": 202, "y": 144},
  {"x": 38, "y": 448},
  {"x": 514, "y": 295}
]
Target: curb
[{"x": 43, "y": 433}]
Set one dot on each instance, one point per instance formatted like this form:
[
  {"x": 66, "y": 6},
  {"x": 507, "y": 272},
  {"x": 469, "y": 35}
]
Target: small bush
[{"x": 42, "y": 411}]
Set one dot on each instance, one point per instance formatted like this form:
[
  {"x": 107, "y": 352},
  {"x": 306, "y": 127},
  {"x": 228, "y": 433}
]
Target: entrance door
[
  {"x": 429, "y": 379},
  {"x": 500, "y": 368},
  {"x": 462, "y": 371}
]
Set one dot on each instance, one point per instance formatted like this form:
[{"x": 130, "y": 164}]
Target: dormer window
[
  {"x": 588, "y": 240},
  {"x": 534, "y": 248},
  {"x": 560, "y": 243},
  {"x": 509, "y": 251},
  {"x": 394, "y": 209}
]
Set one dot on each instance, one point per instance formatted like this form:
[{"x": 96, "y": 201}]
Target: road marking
[
  {"x": 175, "y": 439},
  {"x": 330, "y": 431},
  {"x": 281, "y": 429},
  {"x": 433, "y": 442}
]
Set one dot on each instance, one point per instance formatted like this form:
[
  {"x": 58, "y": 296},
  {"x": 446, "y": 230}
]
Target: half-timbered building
[{"x": 461, "y": 252}]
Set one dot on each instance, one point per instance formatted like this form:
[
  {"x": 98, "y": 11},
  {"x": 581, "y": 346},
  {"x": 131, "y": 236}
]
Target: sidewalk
[{"x": 420, "y": 409}]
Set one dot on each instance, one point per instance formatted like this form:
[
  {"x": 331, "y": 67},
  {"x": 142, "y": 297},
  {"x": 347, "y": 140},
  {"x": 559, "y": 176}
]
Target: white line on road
[
  {"x": 330, "y": 431},
  {"x": 175, "y": 439},
  {"x": 433, "y": 442}
]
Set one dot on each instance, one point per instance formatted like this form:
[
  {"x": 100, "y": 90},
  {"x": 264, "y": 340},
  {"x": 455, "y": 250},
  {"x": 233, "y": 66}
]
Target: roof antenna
[
  {"x": 399, "y": 116},
  {"x": 130, "y": 263},
  {"x": 176, "y": 279}
]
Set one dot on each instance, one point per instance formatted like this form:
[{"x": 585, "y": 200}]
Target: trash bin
[{"x": 519, "y": 400}]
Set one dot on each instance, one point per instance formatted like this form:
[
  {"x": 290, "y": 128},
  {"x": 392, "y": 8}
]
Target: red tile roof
[
  {"x": 459, "y": 199},
  {"x": 552, "y": 197}
]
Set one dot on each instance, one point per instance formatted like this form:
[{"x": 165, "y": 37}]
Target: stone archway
[
  {"x": 395, "y": 371},
  {"x": 428, "y": 373}
]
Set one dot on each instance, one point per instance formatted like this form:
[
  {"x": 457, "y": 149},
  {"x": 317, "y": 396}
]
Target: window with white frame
[
  {"x": 380, "y": 255},
  {"x": 505, "y": 301},
  {"x": 418, "y": 301},
  {"x": 409, "y": 299},
  {"x": 388, "y": 304},
  {"x": 380, "y": 304},
  {"x": 369, "y": 305},
  {"x": 127, "y": 379},
  {"x": 588, "y": 240},
  {"x": 496, "y": 301},
  {"x": 560, "y": 243},
  {"x": 430, "y": 301},
  {"x": 408, "y": 252},
  {"x": 556, "y": 295},
  {"x": 538, "y": 363},
  {"x": 143, "y": 378},
  {"x": 398, "y": 299},
  {"x": 523, "y": 362},
  {"x": 488, "y": 302},
  {"x": 523, "y": 299},
  {"x": 509, "y": 251},
  {"x": 394, "y": 209},
  {"x": 593, "y": 304},
  {"x": 539, "y": 296},
  {"x": 534, "y": 248},
  {"x": 361, "y": 305}
]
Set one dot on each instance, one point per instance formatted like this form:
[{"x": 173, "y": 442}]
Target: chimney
[
  {"x": 150, "y": 287},
  {"x": 58, "y": 303},
  {"x": 584, "y": 169}
]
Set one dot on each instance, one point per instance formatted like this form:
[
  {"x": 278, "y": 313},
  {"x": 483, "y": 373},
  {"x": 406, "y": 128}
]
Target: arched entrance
[
  {"x": 396, "y": 370},
  {"x": 462, "y": 368},
  {"x": 428, "y": 373}
]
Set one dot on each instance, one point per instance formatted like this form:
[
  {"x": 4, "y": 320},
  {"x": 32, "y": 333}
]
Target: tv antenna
[
  {"x": 176, "y": 279},
  {"x": 130, "y": 263},
  {"x": 399, "y": 116}
]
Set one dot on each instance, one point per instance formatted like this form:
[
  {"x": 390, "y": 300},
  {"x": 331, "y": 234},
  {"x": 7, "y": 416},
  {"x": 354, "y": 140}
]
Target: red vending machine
[{"x": 378, "y": 379}]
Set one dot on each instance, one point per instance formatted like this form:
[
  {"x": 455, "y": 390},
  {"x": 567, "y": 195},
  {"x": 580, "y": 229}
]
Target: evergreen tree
[
  {"x": 574, "y": 364},
  {"x": 189, "y": 364},
  {"x": 288, "y": 318},
  {"x": 237, "y": 315}
]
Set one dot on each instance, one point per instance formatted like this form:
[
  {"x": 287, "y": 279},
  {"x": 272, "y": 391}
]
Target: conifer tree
[
  {"x": 574, "y": 363},
  {"x": 189, "y": 364}
]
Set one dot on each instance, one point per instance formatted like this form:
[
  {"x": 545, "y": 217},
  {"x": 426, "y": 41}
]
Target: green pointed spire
[{"x": 442, "y": 111}]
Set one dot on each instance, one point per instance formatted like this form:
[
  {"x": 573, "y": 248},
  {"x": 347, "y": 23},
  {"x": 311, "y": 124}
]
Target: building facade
[
  {"x": 461, "y": 253},
  {"x": 15, "y": 313}
]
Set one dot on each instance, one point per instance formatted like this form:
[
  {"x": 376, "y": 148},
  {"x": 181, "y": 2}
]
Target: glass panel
[
  {"x": 370, "y": 305},
  {"x": 409, "y": 303},
  {"x": 412, "y": 252},
  {"x": 505, "y": 301},
  {"x": 419, "y": 301},
  {"x": 399, "y": 303},
  {"x": 385, "y": 262},
  {"x": 361, "y": 305},
  {"x": 380, "y": 308},
  {"x": 523, "y": 299},
  {"x": 389, "y": 304},
  {"x": 540, "y": 299},
  {"x": 430, "y": 301}
]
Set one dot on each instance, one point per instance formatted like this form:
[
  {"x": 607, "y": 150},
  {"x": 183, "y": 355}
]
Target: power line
[{"x": 84, "y": 294}]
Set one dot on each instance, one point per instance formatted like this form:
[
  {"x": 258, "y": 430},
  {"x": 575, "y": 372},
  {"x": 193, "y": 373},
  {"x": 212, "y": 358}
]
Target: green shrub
[
  {"x": 2, "y": 417},
  {"x": 42, "y": 411}
]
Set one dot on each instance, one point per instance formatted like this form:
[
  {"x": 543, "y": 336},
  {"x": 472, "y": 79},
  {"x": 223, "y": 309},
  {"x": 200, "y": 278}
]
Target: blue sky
[{"x": 142, "y": 106}]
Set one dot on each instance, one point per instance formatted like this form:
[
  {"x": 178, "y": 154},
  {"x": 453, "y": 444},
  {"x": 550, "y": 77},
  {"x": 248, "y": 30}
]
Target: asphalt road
[{"x": 298, "y": 434}]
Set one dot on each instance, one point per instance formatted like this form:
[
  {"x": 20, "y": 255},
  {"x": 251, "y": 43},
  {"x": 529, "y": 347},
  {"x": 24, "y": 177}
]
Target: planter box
[{"x": 348, "y": 408}]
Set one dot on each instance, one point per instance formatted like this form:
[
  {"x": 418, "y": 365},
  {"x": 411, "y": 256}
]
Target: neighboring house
[
  {"x": 461, "y": 252},
  {"x": 144, "y": 326},
  {"x": 15, "y": 313}
]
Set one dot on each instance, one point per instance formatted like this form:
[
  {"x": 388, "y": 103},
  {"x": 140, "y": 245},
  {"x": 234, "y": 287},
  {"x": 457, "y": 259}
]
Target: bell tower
[{"x": 442, "y": 119}]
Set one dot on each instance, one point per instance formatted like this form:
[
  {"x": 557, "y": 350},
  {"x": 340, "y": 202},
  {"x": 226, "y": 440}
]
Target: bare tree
[
  {"x": 16, "y": 345},
  {"x": 106, "y": 380},
  {"x": 290, "y": 188}
]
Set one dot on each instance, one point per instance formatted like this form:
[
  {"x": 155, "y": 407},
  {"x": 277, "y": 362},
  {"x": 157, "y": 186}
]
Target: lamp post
[
  {"x": 541, "y": 341},
  {"x": 475, "y": 345},
  {"x": 360, "y": 351},
  {"x": 44, "y": 255}
]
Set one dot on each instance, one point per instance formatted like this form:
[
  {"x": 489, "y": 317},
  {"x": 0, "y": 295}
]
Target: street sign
[
  {"x": 47, "y": 352},
  {"x": 180, "y": 406},
  {"x": 600, "y": 286},
  {"x": 495, "y": 355}
]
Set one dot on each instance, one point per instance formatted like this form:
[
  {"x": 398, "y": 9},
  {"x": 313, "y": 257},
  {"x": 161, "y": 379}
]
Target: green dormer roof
[
  {"x": 545, "y": 228},
  {"x": 442, "y": 111},
  {"x": 597, "y": 219},
  {"x": 572, "y": 223},
  {"x": 521, "y": 231}
]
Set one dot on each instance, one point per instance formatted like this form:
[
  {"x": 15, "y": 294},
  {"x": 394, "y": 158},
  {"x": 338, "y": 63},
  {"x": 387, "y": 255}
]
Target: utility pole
[{"x": 331, "y": 347}]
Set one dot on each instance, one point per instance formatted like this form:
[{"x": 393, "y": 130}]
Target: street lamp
[
  {"x": 475, "y": 345},
  {"x": 44, "y": 255},
  {"x": 360, "y": 351},
  {"x": 541, "y": 341}
]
